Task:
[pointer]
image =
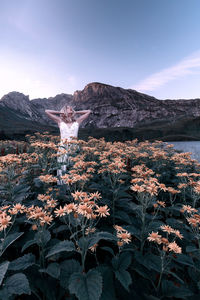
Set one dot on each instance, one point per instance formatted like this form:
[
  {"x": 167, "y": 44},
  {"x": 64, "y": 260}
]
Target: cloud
[{"x": 187, "y": 66}]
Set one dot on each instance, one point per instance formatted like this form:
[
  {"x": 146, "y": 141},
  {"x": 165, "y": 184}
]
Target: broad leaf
[
  {"x": 3, "y": 270},
  {"x": 28, "y": 244},
  {"x": 17, "y": 284},
  {"x": 11, "y": 238},
  {"x": 67, "y": 268},
  {"x": 53, "y": 270},
  {"x": 124, "y": 277},
  {"x": 60, "y": 247},
  {"x": 42, "y": 237},
  {"x": 101, "y": 236},
  {"x": 170, "y": 290},
  {"x": 22, "y": 262},
  {"x": 86, "y": 286}
]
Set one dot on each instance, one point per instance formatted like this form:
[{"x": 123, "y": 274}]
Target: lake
[{"x": 190, "y": 146}]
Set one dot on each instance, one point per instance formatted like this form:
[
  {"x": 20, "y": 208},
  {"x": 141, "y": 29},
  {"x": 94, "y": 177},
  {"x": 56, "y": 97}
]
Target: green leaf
[
  {"x": 101, "y": 236},
  {"x": 17, "y": 284},
  {"x": 28, "y": 244},
  {"x": 122, "y": 215},
  {"x": 174, "y": 275},
  {"x": 108, "y": 292},
  {"x": 124, "y": 277},
  {"x": 67, "y": 268},
  {"x": 120, "y": 263},
  {"x": 22, "y": 262},
  {"x": 42, "y": 237},
  {"x": 149, "y": 260},
  {"x": 20, "y": 192},
  {"x": 60, "y": 247},
  {"x": 191, "y": 249},
  {"x": 184, "y": 259},
  {"x": 53, "y": 270},
  {"x": 9, "y": 240},
  {"x": 3, "y": 270},
  {"x": 110, "y": 250},
  {"x": 170, "y": 290},
  {"x": 86, "y": 286}
]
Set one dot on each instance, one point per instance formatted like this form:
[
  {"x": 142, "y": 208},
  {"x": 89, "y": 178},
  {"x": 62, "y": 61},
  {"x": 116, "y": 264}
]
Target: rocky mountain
[
  {"x": 34, "y": 110},
  {"x": 118, "y": 107},
  {"x": 112, "y": 107}
]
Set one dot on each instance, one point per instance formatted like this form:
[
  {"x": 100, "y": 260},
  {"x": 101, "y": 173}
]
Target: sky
[{"x": 49, "y": 47}]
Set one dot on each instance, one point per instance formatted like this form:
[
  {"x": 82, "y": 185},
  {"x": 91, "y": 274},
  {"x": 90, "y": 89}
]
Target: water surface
[{"x": 190, "y": 146}]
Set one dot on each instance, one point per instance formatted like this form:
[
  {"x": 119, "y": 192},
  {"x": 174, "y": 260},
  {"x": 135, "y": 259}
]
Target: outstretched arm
[
  {"x": 84, "y": 113},
  {"x": 52, "y": 115}
]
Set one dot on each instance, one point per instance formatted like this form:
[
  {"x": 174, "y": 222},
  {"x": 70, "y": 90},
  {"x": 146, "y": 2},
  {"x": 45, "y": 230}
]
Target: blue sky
[{"x": 50, "y": 47}]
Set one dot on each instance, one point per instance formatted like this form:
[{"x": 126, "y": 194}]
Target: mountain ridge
[{"x": 112, "y": 107}]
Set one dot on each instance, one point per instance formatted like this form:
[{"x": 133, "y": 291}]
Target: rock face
[
  {"x": 34, "y": 110},
  {"x": 118, "y": 107},
  {"x": 111, "y": 107}
]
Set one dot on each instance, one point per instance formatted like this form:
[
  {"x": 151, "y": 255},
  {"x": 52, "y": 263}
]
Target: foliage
[{"x": 125, "y": 223}]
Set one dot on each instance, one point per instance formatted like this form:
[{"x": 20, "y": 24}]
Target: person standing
[{"x": 68, "y": 123}]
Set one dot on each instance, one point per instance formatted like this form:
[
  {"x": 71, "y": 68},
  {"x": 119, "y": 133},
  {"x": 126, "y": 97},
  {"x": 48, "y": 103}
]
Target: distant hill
[{"x": 117, "y": 114}]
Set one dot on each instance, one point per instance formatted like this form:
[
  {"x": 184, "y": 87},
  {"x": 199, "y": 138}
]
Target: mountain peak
[{"x": 15, "y": 96}]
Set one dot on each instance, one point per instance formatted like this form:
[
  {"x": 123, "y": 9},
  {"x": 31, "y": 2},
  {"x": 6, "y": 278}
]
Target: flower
[
  {"x": 178, "y": 234},
  {"x": 5, "y": 221},
  {"x": 193, "y": 221},
  {"x": 60, "y": 212},
  {"x": 124, "y": 236},
  {"x": 161, "y": 203},
  {"x": 103, "y": 211},
  {"x": 154, "y": 237},
  {"x": 167, "y": 228},
  {"x": 119, "y": 228},
  {"x": 93, "y": 248},
  {"x": 188, "y": 208},
  {"x": 174, "y": 247}
]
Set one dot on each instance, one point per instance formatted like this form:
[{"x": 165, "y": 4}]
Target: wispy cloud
[{"x": 187, "y": 66}]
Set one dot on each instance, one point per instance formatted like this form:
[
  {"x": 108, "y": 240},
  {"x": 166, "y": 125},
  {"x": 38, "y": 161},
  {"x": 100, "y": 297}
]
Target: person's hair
[{"x": 67, "y": 118}]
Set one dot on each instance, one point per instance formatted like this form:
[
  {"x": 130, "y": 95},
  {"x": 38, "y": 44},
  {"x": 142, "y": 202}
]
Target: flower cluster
[
  {"x": 86, "y": 206},
  {"x": 167, "y": 245},
  {"x": 124, "y": 237}
]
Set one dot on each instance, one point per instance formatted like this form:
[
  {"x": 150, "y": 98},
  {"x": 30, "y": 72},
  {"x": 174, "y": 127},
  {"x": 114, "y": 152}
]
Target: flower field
[{"x": 125, "y": 225}]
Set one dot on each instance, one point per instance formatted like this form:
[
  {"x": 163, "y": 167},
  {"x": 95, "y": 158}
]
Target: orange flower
[
  {"x": 154, "y": 237},
  {"x": 137, "y": 188},
  {"x": 124, "y": 236},
  {"x": 102, "y": 211},
  {"x": 193, "y": 221},
  {"x": 93, "y": 248},
  {"x": 119, "y": 228},
  {"x": 46, "y": 219},
  {"x": 5, "y": 221},
  {"x": 164, "y": 241},
  {"x": 188, "y": 208},
  {"x": 34, "y": 227},
  {"x": 167, "y": 228},
  {"x": 178, "y": 234},
  {"x": 161, "y": 203},
  {"x": 174, "y": 247},
  {"x": 60, "y": 212}
]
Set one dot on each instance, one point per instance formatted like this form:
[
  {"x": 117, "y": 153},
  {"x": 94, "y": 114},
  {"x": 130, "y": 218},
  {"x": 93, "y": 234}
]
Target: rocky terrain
[{"x": 112, "y": 108}]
